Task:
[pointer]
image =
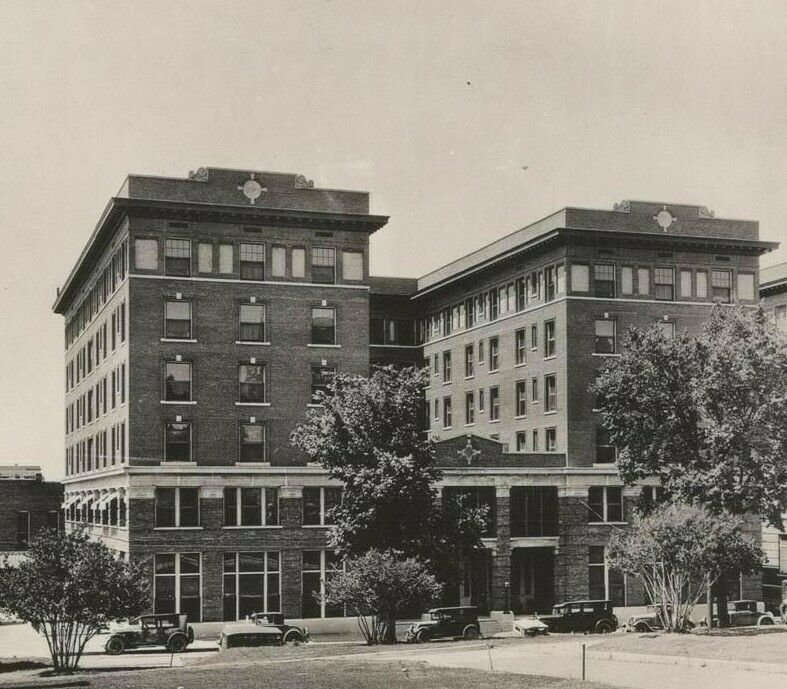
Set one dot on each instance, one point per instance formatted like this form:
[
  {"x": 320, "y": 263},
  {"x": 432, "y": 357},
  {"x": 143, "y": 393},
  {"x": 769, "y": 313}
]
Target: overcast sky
[{"x": 434, "y": 107}]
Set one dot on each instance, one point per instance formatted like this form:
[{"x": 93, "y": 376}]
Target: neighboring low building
[{"x": 27, "y": 505}]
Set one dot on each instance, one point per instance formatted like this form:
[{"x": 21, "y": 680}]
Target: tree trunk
[
  {"x": 722, "y": 595},
  {"x": 390, "y": 629}
]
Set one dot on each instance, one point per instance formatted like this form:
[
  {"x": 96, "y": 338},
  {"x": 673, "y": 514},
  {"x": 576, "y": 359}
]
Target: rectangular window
[
  {"x": 177, "y": 320},
  {"x": 580, "y": 277},
  {"x": 520, "y": 395},
  {"x": 252, "y": 323},
  {"x": 605, "y": 450},
  {"x": 321, "y": 377},
  {"x": 251, "y": 383},
  {"x": 534, "y": 390},
  {"x": 549, "y": 284},
  {"x": 475, "y": 497},
  {"x": 481, "y": 405},
  {"x": 298, "y": 257},
  {"x": 550, "y": 393},
  {"x": 604, "y": 342},
  {"x": 177, "y": 257},
  {"x": 494, "y": 403},
  {"x": 549, "y": 339},
  {"x": 702, "y": 284},
  {"x": 352, "y": 265},
  {"x": 520, "y": 346},
  {"x": 604, "y": 583},
  {"x": 746, "y": 286},
  {"x": 251, "y": 507},
  {"x": 205, "y": 257},
  {"x": 252, "y": 261},
  {"x": 177, "y": 584},
  {"x": 521, "y": 295},
  {"x": 667, "y": 329},
  {"x": 721, "y": 285},
  {"x": 323, "y": 326},
  {"x": 146, "y": 254},
  {"x": 279, "y": 261},
  {"x": 534, "y": 511},
  {"x": 437, "y": 410},
  {"x": 494, "y": 354},
  {"x": 469, "y": 361},
  {"x": 494, "y": 304},
  {"x": 252, "y": 442},
  {"x": 323, "y": 265},
  {"x": 178, "y": 382},
  {"x": 664, "y": 280},
  {"x": 685, "y": 283},
  {"x": 446, "y": 367},
  {"x": 469, "y": 408},
  {"x": 447, "y": 412},
  {"x": 318, "y": 567},
  {"x": 318, "y": 504},
  {"x": 534, "y": 336},
  {"x": 627, "y": 280},
  {"x": 22, "y": 530},
  {"x": 604, "y": 280},
  {"x": 605, "y": 504},
  {"x": 176, "y": 507},
  {"x": 643, "y": 281},
  {"x": 177, "y": 442},
  {"x": 251, "y": 583},
  {"x": 469, "y": 313},
  {"x": 225, "y": 258},
  {"x": 480, "y": 352},
  {"x": 560, "y": 279},
  {"x": 521, "y": 441},
  {"x": 550, "y": 439}
]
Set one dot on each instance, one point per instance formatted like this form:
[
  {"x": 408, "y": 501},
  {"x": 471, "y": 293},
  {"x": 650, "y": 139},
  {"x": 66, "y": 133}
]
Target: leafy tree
[
  {"x": 375, "y": 585},
  {"x": 68, "y": 587},
  {"x": 706, "y": 415},
  {"x": 678, "y": 551}
]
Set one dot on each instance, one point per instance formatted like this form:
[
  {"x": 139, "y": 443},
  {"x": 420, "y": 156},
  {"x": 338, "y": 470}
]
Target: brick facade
[{"x": 27, "y": 495}]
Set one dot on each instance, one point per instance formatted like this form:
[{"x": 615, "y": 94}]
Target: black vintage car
[
  {"x": 582, "y": 616},
  {"x": 290, "y": 633},
  {"x": 172, "y": 631},
  {"x": 440, "y": 623}
]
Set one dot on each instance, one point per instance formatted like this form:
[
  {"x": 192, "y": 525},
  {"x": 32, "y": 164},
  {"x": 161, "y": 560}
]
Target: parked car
[
  {"x": 290, "y": 632},
  {"x": 582, "y": 616},
  {"x": 530, "y": 625},
  {"x": 649, "y": 621},
  {"x": 446, "y": 623},
  {"x": 243, "y": 634},
  {"x": 746, "y": 613},
  {"x": 172, "y": 631}
]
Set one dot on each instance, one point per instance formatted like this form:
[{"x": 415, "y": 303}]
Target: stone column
[
  {"x": 571, "y": 559},
  {"x": 291, "y": 517},
  {"x": 501, "y": 554}
]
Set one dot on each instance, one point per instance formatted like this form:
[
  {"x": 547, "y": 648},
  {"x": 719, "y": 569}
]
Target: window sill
[
  {"x": 470, "y": 377},
  {"x": 178, "y": 528},
  {"x": 176, "y": 339},
  {"x": 252, "y": 342},
  {"x": 253, "y": 526},
  {"x": 176, "y": 402},
  {"x": 314, "y": 406},
  {"x": 496, "y": 370},
  {"x": 550, "y": 357},
  {"x": 329, "y": 346},
  {"x": 447, "y": 428},
  {"x": 549, "y": 413},
  {"x": 494, "y": 420},
  {"x": 447, "y": 382},
  {"x": 604, "y": 354},
  {"x": 604, "y": 465},
  {"x": 253, "y": 464},
  {"x": 252, "y": 404},
  {"x": 521, "y": 417},
  {"x": 468, "y": 425},
  {"x": 524, "y": 363},
  {"x": 316, "y": 526}
]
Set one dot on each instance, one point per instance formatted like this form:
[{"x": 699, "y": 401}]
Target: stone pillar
[
  {"x": 571, "y": 559},
  {"x": 501, "y": 554},
  {"x": 291, "y": 517},
  {"x": 212, "y": 589}
]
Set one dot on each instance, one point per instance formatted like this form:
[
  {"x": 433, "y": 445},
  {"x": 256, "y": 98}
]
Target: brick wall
[{"x": 36, "y": 497}]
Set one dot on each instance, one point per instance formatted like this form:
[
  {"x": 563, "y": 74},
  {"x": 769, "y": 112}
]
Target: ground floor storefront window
[
  {"x": 318, "y": 567},
  {"x": 178, "y": 584},
  {"x": 604, "y": 583},
  {"x": 252, "y": 583}
]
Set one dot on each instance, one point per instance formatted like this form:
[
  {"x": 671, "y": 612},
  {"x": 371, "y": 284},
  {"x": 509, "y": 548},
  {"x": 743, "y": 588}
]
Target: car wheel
[
  {"x": 115, "y": 646},
  {"x": 471, "y": 633},
  {"x": 421, "y": 637},
  {"x": 177, "y": 644},
  {"x": 764, "y": 621},
  {"x": 603, "y": 627},
  {"x": 641, "y": 627},
  {"x": 292, "y": 637}
]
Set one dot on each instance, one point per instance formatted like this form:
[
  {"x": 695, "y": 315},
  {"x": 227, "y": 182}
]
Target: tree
[
  {"x": 68, "y": 587},
  {"x": 706, "y": 415},
  {"x": 375, "y": 585},
  {"x": 678, "y": 551}
]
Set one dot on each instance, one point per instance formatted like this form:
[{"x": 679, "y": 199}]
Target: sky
[{"x": 465, "y": 121}]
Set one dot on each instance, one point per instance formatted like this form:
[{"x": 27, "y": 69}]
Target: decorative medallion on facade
[
  {"x": 468, "y": 453},
  {"x": 199, "y": 175},
  {"x": 622, "y": 207},
  {"x": 664, "y": 218},
  {"x": 302, "y": 183},
  {"x": 705, "y": 212},
  {"x": 252, "y": 189}
]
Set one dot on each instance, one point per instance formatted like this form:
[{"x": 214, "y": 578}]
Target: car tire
[
  {"x": 471, "y": 633},
  {"x": 641, "y": 627},
  {"x": 115, "y": 646},
  {"x": 177, "y": 644},
  {"x": 293, "y": 637},
  {"x": 421, "y": 637},
  {"x": 764, "y": 621},
  {"x": 603, "y": 627}
]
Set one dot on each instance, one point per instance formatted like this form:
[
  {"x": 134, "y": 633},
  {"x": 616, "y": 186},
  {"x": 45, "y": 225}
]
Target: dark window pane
[
  {"x": 323, "y": 326},
  {"x": 230, "y": 507},
  {"x": 251, "y": 507},
  {"x": 251, "y": 380},
  {"x": 165, "y": 507},
  {"x": 311, "y": 506}
]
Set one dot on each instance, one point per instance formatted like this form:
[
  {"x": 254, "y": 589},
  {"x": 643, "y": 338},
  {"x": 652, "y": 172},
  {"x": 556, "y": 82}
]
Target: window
[
  {"x": 549, "y": 283},
  {"x": 520, "y": 347},
  {"x": 323, "y": 326},
  {"x": 494, "y": 354},
  {"x": 323, "y": 266},
  {"x": 520, "y": 396},
  {"x": 146, "y": 254},
  {"x": 252, "y": 323},
  {"x": 664, "y": 280},
  {"x": 521, "y": 441},
  {"x": 604, "y": 280},
  {"x": 604, "y": 342},
  {"x": 251, "y": 507},
  {"x": 606, "y": 453},
  {"x": 178, "y": 382},
  {"x": 721, "y": 285},
  {"x": 177, "y": 320},
  {"x": 469, "y": 361},
  {"x": 685, "y": 283},
  {"x": 22, "y": 530},
  {"x": 252, "y": 261},
  {"x": 177, "y": 507},
  {"x": 469, "y": 408},
  {"x": 352, "y": 265},
  {"x": 252, "y": 442},
  {"x": 627, "y": 280},
  {"x": 177, "y": 442},
  {"x": 481, "y": 406},
  {"x": 469, "y": 313},
  {"x": 279, "y": 261},
  {"x": 643, "y": 281},
  {"x": 534, "y": 336},
  {"x": 318, "y": 503},
  {"x": 177, "y": 257},
  {"x": 475, "y": 497},
  {"x": 177, "y": 584},
  {"x": 225, "y": 258},
  {"x": 494, "y": 403},
  {"x": 534, "y": 390},
  {"x": 494, "y": 304},
  {"x": 437, "y": 410},
  {"x": 318, "y": 567},
  {"x": 746, "y": 286},
  {"x": 521, "y": 295},
  {"x": 298, "y": 257},
  {"x": 534, "y": 511},
  {"x": 550, "y": 393},
  {"x": 251, "y": 583},
  {"x": 604, "y": 583},
  {"x": 205, "y": 257},
  {"x": 446, "y": 367},
  {"x": 780, "y": 318},
  {"x": 251, "y": 383},
  {"x": 702, "y": 284},
  {"x": 560, "y": 279},
  {"x": 446, "y": 412},
  {"x": 549, "y": 339},
  {"x": 321, "y": 379},
  {"x": 667, "y": 329},
  {"x": 550, "y": 439},
  {"x": 480, "y": 352},
  {"x": 535, "y": 440},
  {"x": 605, "y": 504}
]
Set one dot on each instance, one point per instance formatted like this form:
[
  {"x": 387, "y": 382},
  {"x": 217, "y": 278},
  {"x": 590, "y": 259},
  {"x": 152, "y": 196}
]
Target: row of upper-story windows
[
  {"x": 391, "y": 331},
  {"x": 255, "y": 261},
  {"x": 104, "y": 449},
  {"x": 98, "y": 347},
  {"x": 101, "y": 289},
  {"x": 97, "y": 400}
]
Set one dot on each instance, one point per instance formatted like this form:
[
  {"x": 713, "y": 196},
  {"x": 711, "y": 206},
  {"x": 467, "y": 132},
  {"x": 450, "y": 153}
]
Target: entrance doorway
[{"x": 532, "y": 580}]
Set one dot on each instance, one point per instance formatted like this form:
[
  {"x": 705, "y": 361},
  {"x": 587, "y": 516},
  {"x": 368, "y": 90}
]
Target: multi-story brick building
[
  {"x": 204, "y": 313},
  {"x": 27, "y": 505}
]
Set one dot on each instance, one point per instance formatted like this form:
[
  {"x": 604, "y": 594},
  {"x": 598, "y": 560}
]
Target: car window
[{"x": 575, "y": 609}]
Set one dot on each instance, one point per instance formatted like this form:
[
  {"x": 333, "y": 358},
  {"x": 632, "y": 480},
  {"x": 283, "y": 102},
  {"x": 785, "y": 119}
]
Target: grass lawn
[{"x": 748, "y": 644}]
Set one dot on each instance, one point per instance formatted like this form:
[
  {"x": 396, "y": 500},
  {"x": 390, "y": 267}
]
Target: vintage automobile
[
  {"x": 440, "y": 623},
  {"x": 746, "y": 613},
  {"x": 582, "y": 616},
  {"x": 172, "y": 631},
  {"x": 649, "y": 621},
  {"x": 529, "y": 625},
  {"x": 243, "y": 634},
  {"x": 290, "y": 632}
]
